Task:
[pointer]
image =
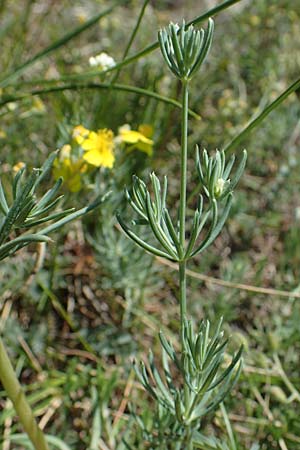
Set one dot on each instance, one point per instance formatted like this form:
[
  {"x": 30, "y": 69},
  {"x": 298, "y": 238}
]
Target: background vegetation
[{"x": 75, "y": 322}]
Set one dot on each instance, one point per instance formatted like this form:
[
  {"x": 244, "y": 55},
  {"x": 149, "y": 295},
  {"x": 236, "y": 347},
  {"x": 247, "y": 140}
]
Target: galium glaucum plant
[{"x": 204, "y": 381}]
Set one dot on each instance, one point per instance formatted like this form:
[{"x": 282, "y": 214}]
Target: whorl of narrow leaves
[
  {"x": 214, "y": 173},
  {"x": 26, "y": 211},
  {"x": 184, "y": 49},
  {"x": 154, "y": 213},
  {"x": 152, "y": 210},
  {"x": 205, "y": 382}
]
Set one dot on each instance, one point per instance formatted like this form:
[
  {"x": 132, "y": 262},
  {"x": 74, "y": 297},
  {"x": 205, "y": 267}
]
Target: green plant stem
[
  {"x": 78, "y": 87},
  {"x": 131, "y": 39},
  {"x": 16, "y": 395},
  {"x": 182, "y": 207},
  {"x": 182, "y": 296},
  {"x": 103, "y": 107},
  {"x": 228, "y": 427},
  {"x": 188, "y": 442},
  {"x": 183, "y": 175}
]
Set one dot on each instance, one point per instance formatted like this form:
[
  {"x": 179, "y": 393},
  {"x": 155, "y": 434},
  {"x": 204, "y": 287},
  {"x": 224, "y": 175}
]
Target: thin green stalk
[
  {"x": 182, "y": 206},
  {"x": 183, "y": 161},
  {"x": 16, "y": 395},
  {"x": 228, "y": 427},
  {"x": 182, "y": 296},
  {"x": 262, "y": 115},
  {"x": 189, "y": 440},
  {"x": 131, "y": 39},
  {"x": 103, "y": 105},
  {"x": 78, "y": 87}
]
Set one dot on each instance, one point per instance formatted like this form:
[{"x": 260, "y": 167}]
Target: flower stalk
[
  {"x": 15, "y": 393},
  {"x": 182, "y": 206}
]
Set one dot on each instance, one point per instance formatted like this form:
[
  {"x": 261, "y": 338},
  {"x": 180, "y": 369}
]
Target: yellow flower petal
[
  {"x": 99, "y": 148},
  {"x": 137, "y": 140},
  {"x": 80, "y": 133},
  {"x": 18, "y": 166},
  {"x": 97, "y": 159},
  {"x": 91, "y": 141},
  {"x": 132, "y": 137}
]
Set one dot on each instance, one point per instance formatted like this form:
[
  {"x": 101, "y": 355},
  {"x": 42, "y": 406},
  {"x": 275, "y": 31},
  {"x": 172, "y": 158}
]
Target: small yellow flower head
[
  {"x": 18, "y": 166},
  {"x": 136, "y": 140},
  {"x": 70, "y": 170},
  {"x": 3, "y": 134},
  {"x": 99, "y": 148},
  {"x": 80, "y": 134}
]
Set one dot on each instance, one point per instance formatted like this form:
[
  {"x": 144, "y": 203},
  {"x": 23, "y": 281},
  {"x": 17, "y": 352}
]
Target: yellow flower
[
  {"x": 70, "y": 170},
  {"x": 18, "y": 166},
  {"x": 98, "y": 147},
  {"x": 80, "y": 134},
  {"x": 136, "y": 139}
]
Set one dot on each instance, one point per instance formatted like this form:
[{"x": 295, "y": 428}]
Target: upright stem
[
  {"x": 182, "y": 296},
  {"x": 182, "y": 210},
  {"x": 16, "y": 395}
]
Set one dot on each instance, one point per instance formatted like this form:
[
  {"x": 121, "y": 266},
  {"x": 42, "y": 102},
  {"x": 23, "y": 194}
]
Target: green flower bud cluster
[
  {"x": 184, "y": 49},
  {"x": 214, "y": 172}
]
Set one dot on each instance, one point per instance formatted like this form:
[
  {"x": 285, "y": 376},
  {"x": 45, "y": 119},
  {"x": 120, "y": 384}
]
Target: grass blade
[
  {"x": 78, "y": 87},
  {"x": 261, "y": 116}
]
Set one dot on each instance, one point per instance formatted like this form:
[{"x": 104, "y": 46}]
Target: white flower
[
  {"x": 219, "y": 187},
  {"x": 103, "y": 61}
]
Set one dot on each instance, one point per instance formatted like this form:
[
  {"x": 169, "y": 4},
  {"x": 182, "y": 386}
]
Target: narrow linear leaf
[
  {"x": 75, "y": 215},
  {"x": 3, "y": 203},
  {"x": 47, "y": 197},
  {"x": 237, "y": 175},
  {"x": 262, "y": 115},
  {"x": 157, "y": 230},
  {"x": 217, "y": 228},
  {"x": 149, "y": 248},
  {"x": 211, "y": 228},
  {"x": 54, "y": 216},
  {"x": 22, "y": 241},
  {"x": 17, "y": 206},
  {"x": 105, "y": 86}
]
